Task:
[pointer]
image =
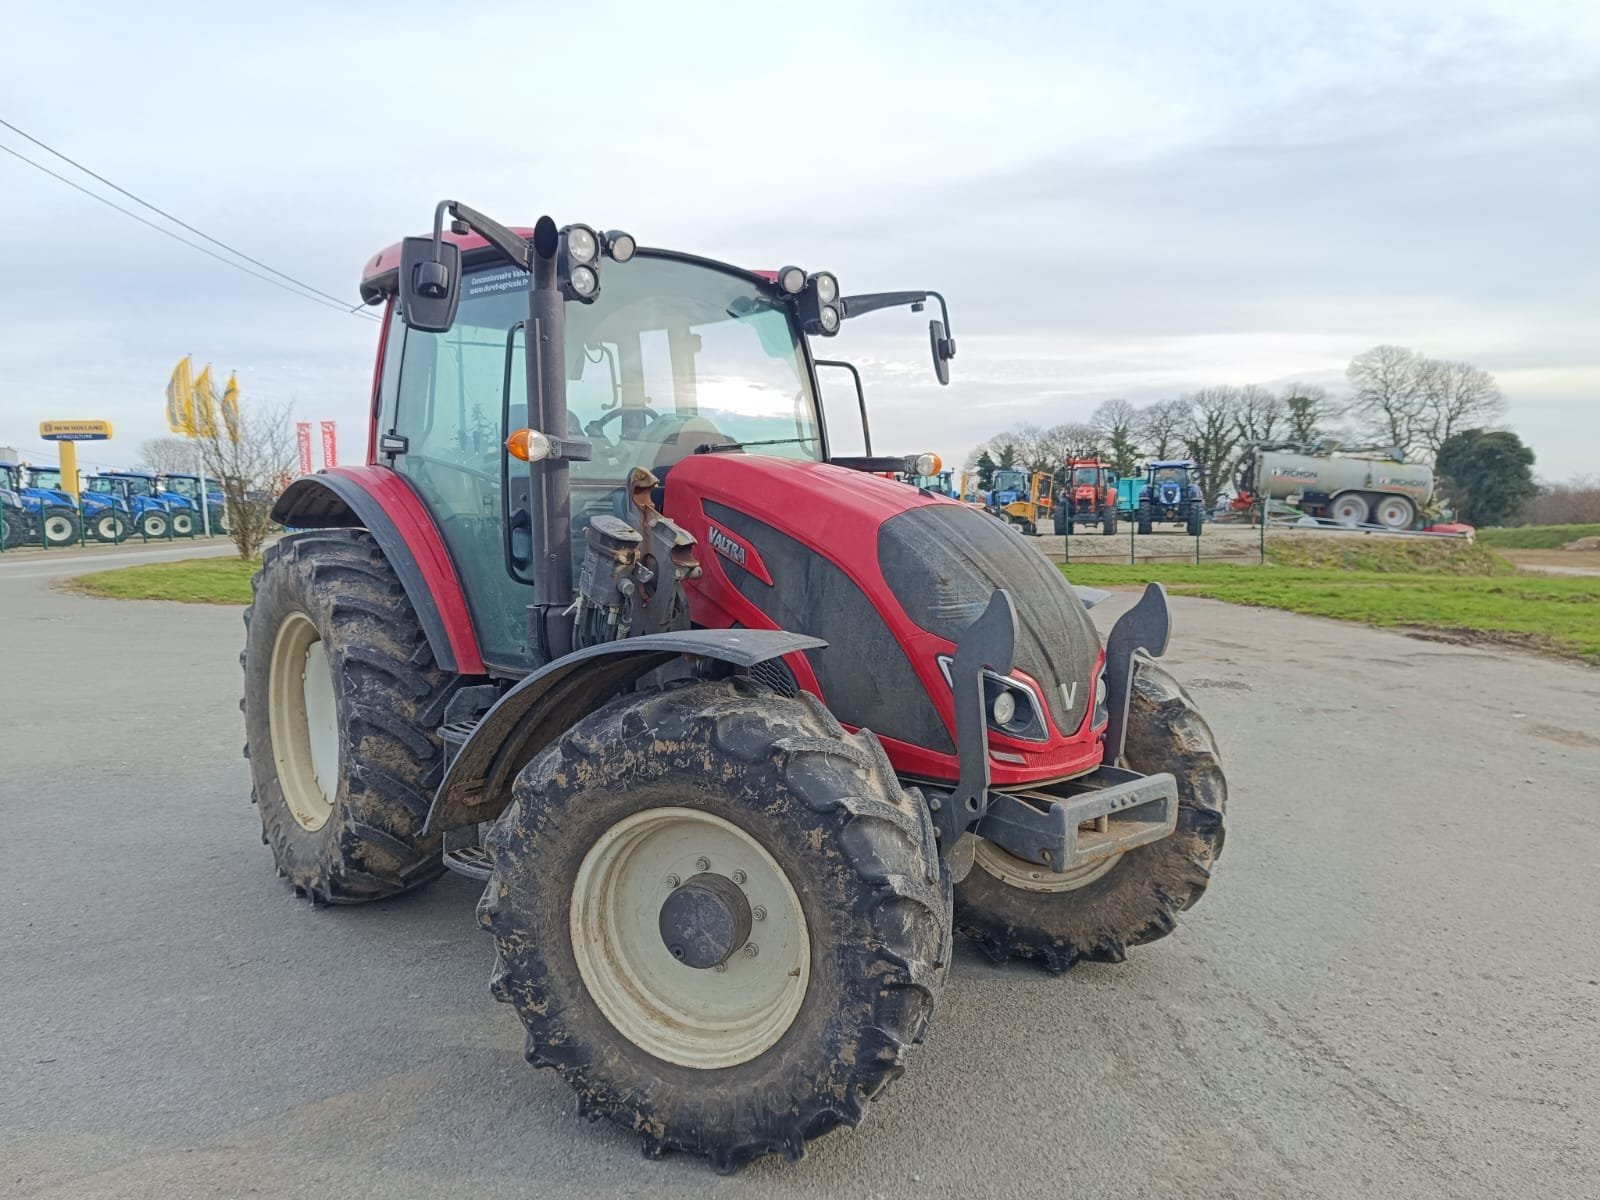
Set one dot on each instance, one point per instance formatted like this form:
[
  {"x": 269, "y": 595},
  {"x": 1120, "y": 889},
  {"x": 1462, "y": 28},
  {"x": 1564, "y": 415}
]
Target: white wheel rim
[
  {"x": 1035, "y": 877},
  {"x": 703, "y": 1018},
  {"x": 155, "y": 525},
  {"x": 58, "y": 529},
  {"x": 182, "y": 524},
  {"x": 303, "y": 713},
  {"x": 1396, "y": 514},
  {"x": 1349, "y": 512}
]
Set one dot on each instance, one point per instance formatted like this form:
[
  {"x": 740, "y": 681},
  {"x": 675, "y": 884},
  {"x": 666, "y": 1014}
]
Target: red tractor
[
  {"x": 1090, "y": 497},
  {"x": 736, "y": 733}
]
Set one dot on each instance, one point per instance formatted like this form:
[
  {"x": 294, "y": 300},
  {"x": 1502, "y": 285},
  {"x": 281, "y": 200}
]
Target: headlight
[
  {"x": 1005, "y": 707},
  {"x": 828, "y": 318},
  {"x": 827, "y": 288},
  {"x": 792, "y": 280},
  {"x": 584, "y": 280},
  {"x": 581, "y": 245}
]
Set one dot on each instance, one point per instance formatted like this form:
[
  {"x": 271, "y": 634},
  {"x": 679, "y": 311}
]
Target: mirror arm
[
  {"x": 860, "y": 306},
  {"x": 513, "y": 246}
]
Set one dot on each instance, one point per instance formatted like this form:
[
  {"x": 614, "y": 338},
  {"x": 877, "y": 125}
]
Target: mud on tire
[
  {"x": 1138, "y": 900},
  {"x": 857, "y": 849},
  {"x": 391, "y": 698}
]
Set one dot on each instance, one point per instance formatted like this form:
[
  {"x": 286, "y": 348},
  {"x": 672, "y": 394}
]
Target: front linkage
[{"x": 1070, "y": 824}]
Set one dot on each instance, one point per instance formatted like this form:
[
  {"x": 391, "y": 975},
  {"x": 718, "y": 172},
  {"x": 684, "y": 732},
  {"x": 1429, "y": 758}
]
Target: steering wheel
[{"x": 597, "y": 427}]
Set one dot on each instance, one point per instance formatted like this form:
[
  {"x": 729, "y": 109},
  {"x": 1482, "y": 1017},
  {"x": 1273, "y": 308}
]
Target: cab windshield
[
  {"x": 1086, "y": 477},
  {"x": 46, "y": 478},
  {"x": 8, "y": 479},
  {"x": 100, "y": 483},
  {"x": 1009, "y": 481},
  {"x": 1169, "y": 475},
  {"x": 183, "y": 487},
  {"x": 672, "y": 356}
]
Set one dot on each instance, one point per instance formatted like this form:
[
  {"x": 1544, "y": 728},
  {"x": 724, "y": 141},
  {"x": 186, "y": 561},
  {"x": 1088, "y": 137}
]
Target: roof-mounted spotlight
[
  {"x": 619, "y": 246},
  {"x": 792, "y": 280}
]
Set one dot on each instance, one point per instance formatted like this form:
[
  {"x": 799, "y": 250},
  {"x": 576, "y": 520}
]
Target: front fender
[{"x": 547, "y": 703}]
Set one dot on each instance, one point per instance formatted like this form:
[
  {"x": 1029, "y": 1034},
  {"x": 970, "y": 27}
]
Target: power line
[{"x": 305, "y": 292}]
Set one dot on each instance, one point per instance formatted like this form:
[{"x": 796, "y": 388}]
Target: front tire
[
  {"x": 60, "y": 526},
  {"x": 1108, "y": 522},
  {"x": 1013, "y": 909},
  {"x": 342, "y": 700},
  {"x": 183, "y": 524},
  {"x": 108, "y": 527},
  {"x": 153, "y": 525},
  {"x": 1146, "y": 519},
  {"x": 851, "y": 929}
]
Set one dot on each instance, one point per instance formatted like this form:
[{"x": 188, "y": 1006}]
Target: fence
[
  {"x": 57, "y": 526},
  {"x": 1241, "y": 539}
]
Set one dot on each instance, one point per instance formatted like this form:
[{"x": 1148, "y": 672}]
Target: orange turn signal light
[{"x": 529, "y": 445}]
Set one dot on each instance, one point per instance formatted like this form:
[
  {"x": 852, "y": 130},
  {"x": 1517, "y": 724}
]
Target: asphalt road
[{"x": 1393, "y": 987}]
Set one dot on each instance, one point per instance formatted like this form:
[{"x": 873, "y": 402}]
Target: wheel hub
[{"x": 705, "y": 920}]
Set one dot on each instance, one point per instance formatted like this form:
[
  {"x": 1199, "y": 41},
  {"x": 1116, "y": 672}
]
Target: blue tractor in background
[
  {"x": 105, "y": 518},
  {"x": 1170, "y": 494},
  {"x": 16, "y": 522},
  {"x": 151, "y": 515},
  {"x": 52, "y": 518},
  {"x": 185, "y": 491}
]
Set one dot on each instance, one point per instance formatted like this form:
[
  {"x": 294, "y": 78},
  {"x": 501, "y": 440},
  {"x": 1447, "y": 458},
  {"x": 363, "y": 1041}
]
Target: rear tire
[
  {"x": 329, "y": 609},
  {"x": 1108, "y": 522},
  {"x": 863, "y": 883},
  {"x": 1394, "y": 512},
  {"x": 1096, "y": 914}
]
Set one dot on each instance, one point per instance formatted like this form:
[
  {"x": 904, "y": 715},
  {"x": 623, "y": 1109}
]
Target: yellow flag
[
  {"x": 180, "y": 399},
  {"x": 203, "y": 418},
  {"x": 230, "y": 406}
]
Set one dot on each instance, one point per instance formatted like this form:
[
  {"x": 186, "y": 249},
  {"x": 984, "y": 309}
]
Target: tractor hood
[{"x": 891, "y": 578}]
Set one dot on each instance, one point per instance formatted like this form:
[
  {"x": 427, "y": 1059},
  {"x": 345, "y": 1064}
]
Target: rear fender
[
  {"x": 381, "y": 502},
  {"x": 547, "y": 703}
]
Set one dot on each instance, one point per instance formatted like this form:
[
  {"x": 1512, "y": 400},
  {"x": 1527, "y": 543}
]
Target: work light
[
  {"x": 818, "y": 303},
  {"x": 578, "y": 263},
  {"x": 792, "y": 280},
  {"x": 619, "y": 246}
]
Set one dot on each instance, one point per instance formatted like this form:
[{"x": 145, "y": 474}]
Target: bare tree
[
  {"x": 1117, "y": 421},
  {"x": 168, "y": 455},
  {"x": 252, "y": 459},
  {"x": 1161, "y": 426},
  {"x": 1260, "y": 416},
  {"x": 1391, "y": 395},
  {"x": 1307, "y": 409},
  {"x": 1212, "y": 438},
  {"x": 1456, "y": 396}
]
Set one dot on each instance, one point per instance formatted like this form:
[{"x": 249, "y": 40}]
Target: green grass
[
  {"x": 1536, "y": 537},
  {"x": 191, "y": 581},
  {"x": 1552, "y": 613}
]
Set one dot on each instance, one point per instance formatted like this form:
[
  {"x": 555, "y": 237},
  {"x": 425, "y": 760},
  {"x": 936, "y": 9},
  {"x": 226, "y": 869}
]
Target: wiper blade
[{"x": 719, "y": 447}]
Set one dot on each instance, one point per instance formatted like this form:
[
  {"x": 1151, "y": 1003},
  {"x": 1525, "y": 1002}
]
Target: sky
[{"x": 1129, "y": 200}]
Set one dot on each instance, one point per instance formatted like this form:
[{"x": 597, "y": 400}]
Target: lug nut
[
  {"x": 720, "y": 968},
  {"x": 759, "y": 913},
  {"x": 702, "y": 863},
  {"x": 739, "y": 877},
  {"x": 751, "y": 950},
  {"x": 673, "y": 881}
]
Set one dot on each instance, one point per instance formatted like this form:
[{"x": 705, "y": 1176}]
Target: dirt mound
[{"x": 1583, "y": 543}]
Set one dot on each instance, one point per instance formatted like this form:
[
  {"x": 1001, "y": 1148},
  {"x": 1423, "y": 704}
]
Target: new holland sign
[{"x": 74, "y": 431}]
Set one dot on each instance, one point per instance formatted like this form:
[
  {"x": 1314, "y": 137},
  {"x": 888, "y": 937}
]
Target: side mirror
[
  {"x": 430, "y": 289},
  {"x": 943, "y": 352}
]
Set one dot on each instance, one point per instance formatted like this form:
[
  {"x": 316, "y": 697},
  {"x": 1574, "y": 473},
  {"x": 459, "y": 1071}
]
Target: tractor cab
[
  {"x": 45, "y": 483},
  {"x": 1021, "y": 498}
]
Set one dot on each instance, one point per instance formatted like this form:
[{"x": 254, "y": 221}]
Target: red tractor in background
[
  {"x": 735, "y": 733},
  {"x": 1089, "y": 498}
]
